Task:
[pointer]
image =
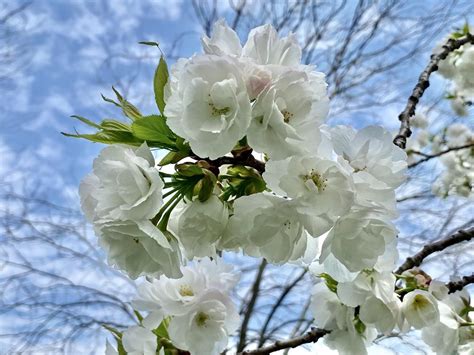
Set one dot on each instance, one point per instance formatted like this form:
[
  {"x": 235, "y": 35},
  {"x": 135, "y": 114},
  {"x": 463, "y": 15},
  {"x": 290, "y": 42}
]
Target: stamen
[{"x": 201, "y": 319}]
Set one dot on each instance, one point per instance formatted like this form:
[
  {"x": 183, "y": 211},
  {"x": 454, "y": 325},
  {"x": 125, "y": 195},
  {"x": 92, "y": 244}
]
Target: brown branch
[
  {"x": 247, "y": 161},
  {"x": 248, "y": 312},
  {"x": 432, "y": 156},
  {"x": 428, "y": 249},
  {"x": 459, "y": 285},
  {"x": 423, "y": 83},
  {"x": 277, "y": 304},
  {"x": 310, "y": 337}
]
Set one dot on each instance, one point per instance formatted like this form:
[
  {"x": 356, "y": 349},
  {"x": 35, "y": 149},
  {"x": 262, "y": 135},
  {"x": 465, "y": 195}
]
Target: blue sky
[{"x": 77, "y": 50}]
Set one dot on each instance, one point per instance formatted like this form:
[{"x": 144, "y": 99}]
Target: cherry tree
[{"x": 252, "y": 168}]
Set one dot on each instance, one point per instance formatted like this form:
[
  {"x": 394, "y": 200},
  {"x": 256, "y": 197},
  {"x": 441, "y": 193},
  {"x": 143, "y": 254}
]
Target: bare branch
[
  {"x": 459, "y": 285},
  {"x": 428, "y": 249},
  {"x": 310, "y": 337},
  {"x": 277, "y": 304},
  {"x": 422, "y": 84},
  {"x": 250, "y": 306},
  {"x": 432, "y": 156}
]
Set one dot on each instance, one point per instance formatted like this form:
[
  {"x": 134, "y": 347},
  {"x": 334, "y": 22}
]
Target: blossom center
[
  {"x": 201, "y": 319},
  {"x": 216, "y": 111},
  {"x": 186, "y": 290},
  {"x": 287, "y": 115},
  {"x": 420, "y": 302},
  {"x": 317, "y": 179}
]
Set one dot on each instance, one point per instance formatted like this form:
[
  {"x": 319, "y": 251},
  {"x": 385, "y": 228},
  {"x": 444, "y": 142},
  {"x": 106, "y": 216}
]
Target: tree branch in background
[
  {"x": 459, "y": 285},
  {"x": 423, "y": 83},
  {"x": 428, "y": 249},
  {"x": 249, "y": 310},
  {"x": 310, "y": 337},
  {"x": 277, "y": 304},
  {"x": 432, "y": 156}
]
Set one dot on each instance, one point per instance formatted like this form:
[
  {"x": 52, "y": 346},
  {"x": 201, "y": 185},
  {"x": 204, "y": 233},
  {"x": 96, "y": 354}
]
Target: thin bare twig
[
  {"x": 432, "y": 156},
  {"x": 248, "y": 312}
]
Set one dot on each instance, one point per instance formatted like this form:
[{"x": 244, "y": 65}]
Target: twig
[
  {"x": 246, "y": 161},
  {"x": 310, "y": 337},
  {"x": 423, "y": 83},
  {"x": 432, "y": 156},
  {"x": 277, "y": 304},
  {"x": 251, "y": 305},
  {"x": 428, "y": 249},
  {"x": 459, "y": 285}
]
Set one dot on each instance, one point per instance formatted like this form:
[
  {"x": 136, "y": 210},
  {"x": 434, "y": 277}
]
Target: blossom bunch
[
  {"x": 194, "y": 312},
  {"x": 455, "y": 148},
  {"x": 357, "y": 307},
  {"x": 252, "y": 167}
]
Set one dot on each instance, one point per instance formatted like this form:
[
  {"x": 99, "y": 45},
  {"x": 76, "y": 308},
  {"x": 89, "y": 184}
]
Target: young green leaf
[
  {"x": 159, "y": 82},
  {"x": 154, "y": 129}
]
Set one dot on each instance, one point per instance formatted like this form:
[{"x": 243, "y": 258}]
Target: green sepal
[
  {"x": 330, "y": 282},
  {"x": 118, "y": 338},
  {"x": 242, "y": 181},
  {"x": 204, "y": 188},
  {"x": 139, "y": 316},
  {"x": 188, "y": 169},
  {"x": 173, "y": 158},
  {"x": 359, "y": 326}
]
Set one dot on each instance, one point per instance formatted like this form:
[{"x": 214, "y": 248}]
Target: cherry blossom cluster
[
  {"x": 252, "y": 168},
  {"x": 454, "y": 148},
  {"x": 359, "y": 307},
  {"x": 196, "y": 308}
]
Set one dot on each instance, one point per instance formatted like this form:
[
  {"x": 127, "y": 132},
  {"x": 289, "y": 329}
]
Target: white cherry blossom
[
  {"x": 420, "y": 309},
  {"x": 320, "y": 186},
  {"x": 139, "y": 248},
  {"x": 288, "y": 113},
  {"x": 205, "y": 328},
  {"x": 198, "y": 225},
  {"x": 359, "y": 238},
  {"x": 124, "y": 185},
  {"x": 265, "y": 47},
  {"x": 139, "y": 341},
  {"x": 209, "y": 105}
]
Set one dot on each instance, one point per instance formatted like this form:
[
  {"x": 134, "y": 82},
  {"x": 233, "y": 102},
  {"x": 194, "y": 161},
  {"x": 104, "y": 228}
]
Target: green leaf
[
  {"x": 106, "y": 99},
  {"x": 113, "y": 125},
  {"x": 465, "y": 29},
  {"x": 150, "y": 43},
  {"x": 128, "y": 109},
  {"x": 108, "y": 137},
  {"x": 153, "y": 129},
  {"x": 86, "y": 121},
  {"x": 159, "y": 82}
]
